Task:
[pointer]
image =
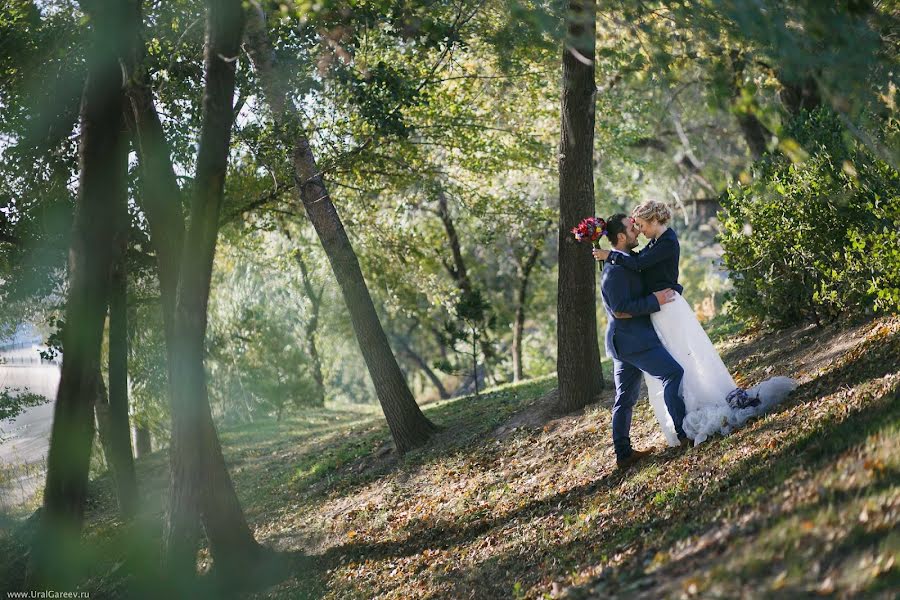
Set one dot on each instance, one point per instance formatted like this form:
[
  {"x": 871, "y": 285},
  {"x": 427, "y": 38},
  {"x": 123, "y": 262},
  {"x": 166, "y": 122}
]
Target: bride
[{"x": 713, "y": 403}]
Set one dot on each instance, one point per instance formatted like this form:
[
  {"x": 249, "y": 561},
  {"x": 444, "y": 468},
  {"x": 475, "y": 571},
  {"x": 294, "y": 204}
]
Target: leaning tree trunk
[
  {"x": 201, "y": 486},
  {"x": 102, "y": 421},
  {"x": 457, "y": 268},
  {"x": 578, "y": 355},
  {"x": 103, "y": 163},
  {"x": 409, "y": 427},
  {"x": 312, "y": 330},
  {"x": 162, "y": 204},
  {"x": 524, "y": 274},
  {"x": 422, "y": 364},
  {"x": 458, "y": 271}
]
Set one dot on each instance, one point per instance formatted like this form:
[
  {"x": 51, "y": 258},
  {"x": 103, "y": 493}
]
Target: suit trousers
[{"x": 627, "y": 372}]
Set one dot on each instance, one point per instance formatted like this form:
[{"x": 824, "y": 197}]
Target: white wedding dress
[{"x": 706, "y": 382}]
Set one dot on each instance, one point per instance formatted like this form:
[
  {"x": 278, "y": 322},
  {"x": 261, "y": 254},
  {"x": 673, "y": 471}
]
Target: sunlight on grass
[{"x": 801, "y": 502}]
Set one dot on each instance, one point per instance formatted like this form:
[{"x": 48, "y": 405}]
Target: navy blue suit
[
  {"x": 658, "y": 262},
  {"x": 634, "y": 347}
]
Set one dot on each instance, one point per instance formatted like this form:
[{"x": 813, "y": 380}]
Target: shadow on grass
[
  {"x": 470, "y": 419},
  {"x": 350, "y": 464},
  {"x": 122, "y": 563},
  {"x": 692, "y": 509},
  {"x": 126, "y": 563}
]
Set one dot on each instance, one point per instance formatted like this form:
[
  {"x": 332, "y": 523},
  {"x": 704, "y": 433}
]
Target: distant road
[{"x": 24, "y": 442}]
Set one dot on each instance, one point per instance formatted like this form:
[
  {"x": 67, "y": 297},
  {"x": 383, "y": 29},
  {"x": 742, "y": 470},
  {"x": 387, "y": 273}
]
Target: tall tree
[
  {"x": 201, "y": 489},
  {"x": 524, "y": 267},
  {"x": 201, "y": 485},
  {"x": 409, "y": 427},
  {"x": 122, "y": 458},
  {"x": 312, "y": 328},
  {"x": 578, "y": 356},
  {"x": 472, "y": 304},
  {"x": 101, "y": 191}
]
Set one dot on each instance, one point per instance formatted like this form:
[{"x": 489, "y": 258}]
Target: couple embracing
[{"x": 653, "y": 331}]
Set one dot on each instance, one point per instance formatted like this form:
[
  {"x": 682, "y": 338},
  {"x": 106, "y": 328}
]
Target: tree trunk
[
  {"x": 122, "y": 460},
  {"x": 201, "y": 486},
  {"x": 755, "y": 133},
  {"x": 409, "y": 427},
  {"x": 458, "y": 269},
  {"x": 578, "y": 357},
  {"x": 518, "y": 329},
  {"x": 423, "y": 366},
  {"x": 162, "y": 205},
  {"x": 798, "y": 93},
  {"x": 103, "y": 422},
  {"x": 102, "y": 162},
  {"x": 143, "y": 444},
  {"x": 312, "y": 329},
  {"x": 475, "y": 361},
  {"x": 524, "y": 273},
  {"x": 161, "y": 195}
]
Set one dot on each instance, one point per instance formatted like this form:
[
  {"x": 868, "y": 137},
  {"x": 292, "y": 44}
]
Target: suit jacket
[
  {"x": 623, "y": 291},
  {"x": 657, "y": 263}
]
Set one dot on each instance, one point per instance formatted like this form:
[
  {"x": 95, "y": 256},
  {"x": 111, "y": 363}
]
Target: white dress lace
[{"x": 706, "y": 382}]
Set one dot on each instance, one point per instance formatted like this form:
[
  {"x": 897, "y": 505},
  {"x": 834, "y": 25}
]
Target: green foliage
[
  {"x": 400, "y": 99},
  {"x": 473, "y": 319},
  {"x": 807, "y": 240},
  {"x": 379, "y": 95},
  {"x": 256, "y": 360},
  {"x": 13, "y": 404}
]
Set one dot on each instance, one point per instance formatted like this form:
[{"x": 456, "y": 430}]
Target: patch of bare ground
[
  {"x": 509, "y": 502},
  {"x": 539, "y": 509}
]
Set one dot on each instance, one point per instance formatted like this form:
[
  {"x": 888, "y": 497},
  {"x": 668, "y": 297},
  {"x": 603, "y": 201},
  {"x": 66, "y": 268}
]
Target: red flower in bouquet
[{"x": 590, "y": 229}]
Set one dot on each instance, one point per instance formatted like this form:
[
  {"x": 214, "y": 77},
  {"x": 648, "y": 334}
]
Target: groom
[{"x": 633, "y": 344}]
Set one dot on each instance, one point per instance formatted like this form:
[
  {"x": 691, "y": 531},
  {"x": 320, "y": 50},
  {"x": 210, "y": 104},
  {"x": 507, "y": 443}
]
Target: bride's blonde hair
[{"x": 653, "y": 210}]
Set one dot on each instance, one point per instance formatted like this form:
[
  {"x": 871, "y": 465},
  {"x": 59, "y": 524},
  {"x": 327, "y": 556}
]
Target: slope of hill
[{"x": 508, "y": 503}]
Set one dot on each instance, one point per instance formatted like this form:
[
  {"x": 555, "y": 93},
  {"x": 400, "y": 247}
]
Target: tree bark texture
[
  {"x": 102, "y": 164},
  {"x": 312, "y": 329},
  {"x": 122, "y": 459},
  {"x": 201, "y": 486},
  {"x": 201, "y": 489},
  {"x": 524, "y": 274},
  {"x": 578, "y": 355},
  {"x": 409, "y": 426}
]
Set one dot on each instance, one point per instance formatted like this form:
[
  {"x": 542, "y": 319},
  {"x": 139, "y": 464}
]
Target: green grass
[{"x": 802, "y": 501}]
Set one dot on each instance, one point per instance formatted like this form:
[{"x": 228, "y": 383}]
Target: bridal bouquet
[{"x": 592, "y": 229}]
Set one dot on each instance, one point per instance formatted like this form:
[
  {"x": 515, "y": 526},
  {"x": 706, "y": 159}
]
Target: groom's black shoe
[
  {"x": 684, "y": 441},
  {"x": 636, "y": 455}
]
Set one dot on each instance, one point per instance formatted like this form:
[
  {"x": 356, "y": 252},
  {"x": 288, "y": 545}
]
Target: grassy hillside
[{"x": 508, "y": 503}]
